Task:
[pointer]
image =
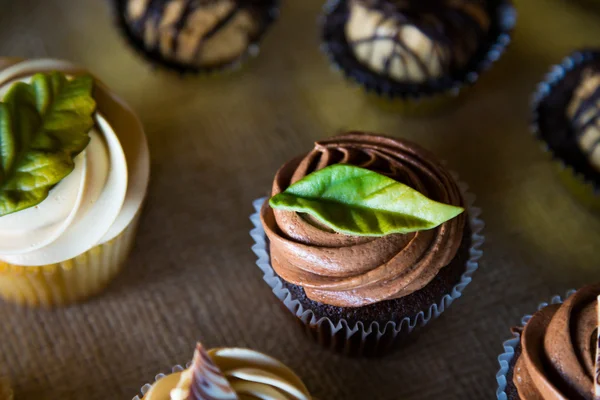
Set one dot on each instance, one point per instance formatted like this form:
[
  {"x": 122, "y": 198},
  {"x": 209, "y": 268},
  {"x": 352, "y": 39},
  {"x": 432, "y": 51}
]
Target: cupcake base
[
  {"x": 510, "y": 388},
  {"x": 383, "y": 312},
  {"x": 70, "y": 281},
  {"x": 397, "y": 309},
  {"x": 372, "y": 330}
]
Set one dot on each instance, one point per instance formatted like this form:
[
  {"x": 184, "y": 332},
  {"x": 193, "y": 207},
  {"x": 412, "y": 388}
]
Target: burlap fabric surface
[{"x": 215, "y": 146}]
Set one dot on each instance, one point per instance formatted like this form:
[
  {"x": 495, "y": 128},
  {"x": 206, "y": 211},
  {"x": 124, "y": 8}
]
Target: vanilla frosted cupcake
[
  {"x": 228, "y": 374},
  {"x": 410, "y": 50},
  {"x": 74, "y": 173},
  {"x": 195, "y": 35}
]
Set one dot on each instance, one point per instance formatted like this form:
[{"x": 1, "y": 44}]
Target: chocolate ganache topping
[
  {"x": 197, "y": 32},
  {"x": 584, "y": 113},
  {"x": 558, "y": 350},
  {"x": 352, "y": 271},
  {"x": 416, "y": 40}
]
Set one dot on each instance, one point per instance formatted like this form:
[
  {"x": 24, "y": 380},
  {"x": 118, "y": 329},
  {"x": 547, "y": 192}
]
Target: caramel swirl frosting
[
  {"x": 351, "y": 271},
  {"x": 558, "y": 350}
]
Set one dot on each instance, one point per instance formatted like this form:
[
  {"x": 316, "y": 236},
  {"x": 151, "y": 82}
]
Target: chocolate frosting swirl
[
  {"x": 351, "y": 271},
  {"x": 558, "y": 350}
]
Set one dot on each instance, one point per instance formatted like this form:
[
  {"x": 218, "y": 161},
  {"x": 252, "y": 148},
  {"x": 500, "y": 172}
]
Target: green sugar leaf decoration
[
  {"x": 44, "y": 125},
  {"x": 359, "y": 202}
]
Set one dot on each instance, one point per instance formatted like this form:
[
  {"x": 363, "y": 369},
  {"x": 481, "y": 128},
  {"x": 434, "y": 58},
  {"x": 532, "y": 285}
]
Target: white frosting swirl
[
  {"x": 251, "y": 374},
  {"x": 92, "y": 205}
]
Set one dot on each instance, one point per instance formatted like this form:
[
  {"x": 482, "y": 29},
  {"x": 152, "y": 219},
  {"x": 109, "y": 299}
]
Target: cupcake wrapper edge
[
  {"x": 144, "y": 389},
  {"x": 70, "y": 281}
]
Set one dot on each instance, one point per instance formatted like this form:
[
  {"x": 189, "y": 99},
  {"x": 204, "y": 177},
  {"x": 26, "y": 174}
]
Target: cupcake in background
[
  {"x": 195, "y": 35},
  {"x": 74, "y": 171},
  {"x": 416, "y": 54},
  {"x": 228, "y": 374},
  {"x": 555, "y": 353},
  {"x": 364, "y": 239},
  {"x": 566, "y": 119}
]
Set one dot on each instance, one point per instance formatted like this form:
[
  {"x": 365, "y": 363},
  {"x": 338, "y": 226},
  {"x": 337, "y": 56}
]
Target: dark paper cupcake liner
[
  {"x": 577, "y": 175},
  {"x": 335, "y": 46},
  {"x": 510, "y": 347},
  {"x": 363, "y": 338},
  {"x": 159, "y": 62}
]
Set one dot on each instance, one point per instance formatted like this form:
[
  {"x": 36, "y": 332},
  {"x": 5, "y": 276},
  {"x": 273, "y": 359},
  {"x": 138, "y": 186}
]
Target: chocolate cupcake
[
  {"x": 566, "y": 119},
  {"x": 227, "y": 374},
  {"x": 195, "y": 35},
  {"x": 416, "y": 51},
  {"x": 554, "y": 354},
  {"x": 354, "y": 277}
]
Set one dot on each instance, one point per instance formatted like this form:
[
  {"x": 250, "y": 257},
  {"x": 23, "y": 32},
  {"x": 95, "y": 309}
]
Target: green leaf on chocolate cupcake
[
  {"x": 357, "y": 201},
  {"x": 44, "y": 125}
]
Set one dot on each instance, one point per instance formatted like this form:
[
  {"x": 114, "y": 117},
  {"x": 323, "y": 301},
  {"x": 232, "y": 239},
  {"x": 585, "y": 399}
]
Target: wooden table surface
[{"x": 215, "y": 146}]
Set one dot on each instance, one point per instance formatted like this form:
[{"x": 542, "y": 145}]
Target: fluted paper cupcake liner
[
  {"x": 577, "y": 181},
  {"x": 159, "y": 62},
  {"x": 510, "y": 346},
  {"x": 147, "y": 386},
  {"x": 415, "y": 99},
  {"x": 370, "y": 338},
  {"x": 69, "y": 281}
]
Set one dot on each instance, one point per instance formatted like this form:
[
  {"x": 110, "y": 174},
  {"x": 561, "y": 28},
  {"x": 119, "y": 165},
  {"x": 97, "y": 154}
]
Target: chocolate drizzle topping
[
  {"x": 208, "y": 382},
  {"x": 155, "y": 12},
  {"x": 585, "y": 110},
  {"x": 454, "y": 28},
  {"x": 501, "y": 15},
  {"x": 171, "y": 31}
]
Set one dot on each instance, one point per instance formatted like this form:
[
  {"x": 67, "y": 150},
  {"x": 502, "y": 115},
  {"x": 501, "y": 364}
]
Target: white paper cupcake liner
[
  {"x": 511, "y": 345},
  {"x": 147, "y": 386},
  {"x": 356, "y": 336}
]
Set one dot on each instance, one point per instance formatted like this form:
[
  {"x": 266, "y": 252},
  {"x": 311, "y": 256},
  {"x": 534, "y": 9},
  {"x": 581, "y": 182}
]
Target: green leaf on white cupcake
[
  {"x": 44, "y": 125},
  {"x": 357, "y": 201}
]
